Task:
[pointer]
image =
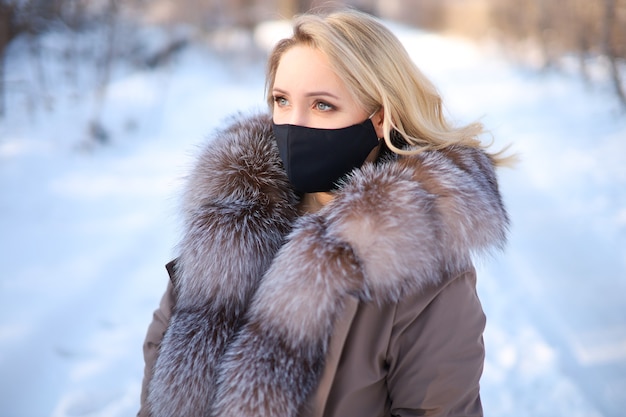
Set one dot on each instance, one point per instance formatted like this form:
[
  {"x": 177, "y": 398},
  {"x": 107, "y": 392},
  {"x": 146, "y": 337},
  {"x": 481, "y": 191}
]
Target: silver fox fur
[{"x": 259, "y": 288}]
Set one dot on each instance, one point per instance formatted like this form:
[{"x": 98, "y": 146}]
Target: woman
[{"x": 326, "y": 264}]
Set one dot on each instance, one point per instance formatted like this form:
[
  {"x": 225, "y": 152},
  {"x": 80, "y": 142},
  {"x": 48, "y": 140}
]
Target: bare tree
[
  {"x": 613, "y": 33},
  {"x": 7, "y": 33},
  {"x": 29, "y": 17},
  {"x": 588, "y": 28}
]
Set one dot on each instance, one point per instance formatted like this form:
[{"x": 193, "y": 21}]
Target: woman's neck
[{"x": 313, "y": 202}]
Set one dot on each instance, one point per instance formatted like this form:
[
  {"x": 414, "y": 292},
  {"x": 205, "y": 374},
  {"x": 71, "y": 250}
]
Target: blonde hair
[{"x": 379, "y": 73}]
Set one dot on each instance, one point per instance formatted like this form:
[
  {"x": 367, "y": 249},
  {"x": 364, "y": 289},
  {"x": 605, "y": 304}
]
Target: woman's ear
[{"x": 377, "y": 121}]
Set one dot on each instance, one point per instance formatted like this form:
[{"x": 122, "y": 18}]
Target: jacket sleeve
[
  {"x": 436, "y": 359},
  {"x": 154, "y": 336}
]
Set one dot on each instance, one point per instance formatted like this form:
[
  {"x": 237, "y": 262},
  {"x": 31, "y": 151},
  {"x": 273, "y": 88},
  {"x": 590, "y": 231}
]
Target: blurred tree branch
[
  {"x": 613, "y": 35},
  {"x": 8, "y": 31},
  {"x": 593, "y": 31},
  {"x": 586, "y": 28}
]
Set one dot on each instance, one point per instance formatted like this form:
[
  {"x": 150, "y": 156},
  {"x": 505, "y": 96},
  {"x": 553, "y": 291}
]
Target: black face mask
[{"x": 315, "y": 159}]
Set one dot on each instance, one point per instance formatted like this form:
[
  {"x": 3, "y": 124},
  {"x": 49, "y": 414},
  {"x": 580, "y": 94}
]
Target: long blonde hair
[{"x": 379, "y": 73}]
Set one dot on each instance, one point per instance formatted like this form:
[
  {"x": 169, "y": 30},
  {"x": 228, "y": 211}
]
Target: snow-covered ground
[{"x": 84, "y": 233}]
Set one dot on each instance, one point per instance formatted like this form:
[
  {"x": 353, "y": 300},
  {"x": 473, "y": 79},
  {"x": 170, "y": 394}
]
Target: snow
[{"x": 85, "y": 229}]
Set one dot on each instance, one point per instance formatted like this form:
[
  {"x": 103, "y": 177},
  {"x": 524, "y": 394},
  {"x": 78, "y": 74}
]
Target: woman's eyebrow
[
  {"x": 322, "y": 93},
  {"x": 309, "y": 94}
]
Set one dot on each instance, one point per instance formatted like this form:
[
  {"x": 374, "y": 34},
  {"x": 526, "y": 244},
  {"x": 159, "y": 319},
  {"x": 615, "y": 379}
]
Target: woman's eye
[
  {"x": 281, "y": 101},
  {"x": 321, "y": 106}
]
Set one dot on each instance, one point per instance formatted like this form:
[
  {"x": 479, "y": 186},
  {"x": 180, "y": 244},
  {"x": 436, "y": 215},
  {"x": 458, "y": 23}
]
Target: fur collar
[{"x": 259, "y": 289}]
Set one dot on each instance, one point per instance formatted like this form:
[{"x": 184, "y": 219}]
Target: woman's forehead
[{"x": 306, "y": 70}]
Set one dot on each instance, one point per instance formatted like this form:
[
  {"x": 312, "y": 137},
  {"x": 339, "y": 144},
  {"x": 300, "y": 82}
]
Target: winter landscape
[{"x": 86, "y": 228}]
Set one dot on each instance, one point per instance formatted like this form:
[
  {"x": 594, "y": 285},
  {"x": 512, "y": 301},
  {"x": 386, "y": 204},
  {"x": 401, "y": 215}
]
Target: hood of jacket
[{"x": 259, "y": 288}]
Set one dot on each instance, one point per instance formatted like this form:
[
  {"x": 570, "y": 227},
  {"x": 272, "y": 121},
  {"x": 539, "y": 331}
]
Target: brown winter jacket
[{"x": 367, "y": 308}]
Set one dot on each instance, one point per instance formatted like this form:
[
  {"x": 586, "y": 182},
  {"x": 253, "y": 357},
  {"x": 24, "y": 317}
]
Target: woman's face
[{"x": 308, "y": 93}]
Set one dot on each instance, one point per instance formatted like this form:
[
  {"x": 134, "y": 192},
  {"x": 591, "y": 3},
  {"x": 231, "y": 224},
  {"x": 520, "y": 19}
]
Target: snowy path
[{"x": 84, "y": 236}]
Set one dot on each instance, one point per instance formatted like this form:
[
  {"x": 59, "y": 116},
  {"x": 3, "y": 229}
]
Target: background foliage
[{"x": 545, "y": 33}]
